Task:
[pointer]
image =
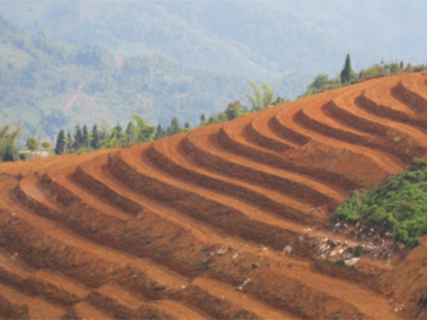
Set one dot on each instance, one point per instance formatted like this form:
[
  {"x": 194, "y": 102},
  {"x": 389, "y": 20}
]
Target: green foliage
[
  {"x": 60, "y": 143},
  {"x": 85, "y": 137},
  {"x": 137, "y": 131},
  {"x": 340, "y": 261},
  {"x": 374, "y": 72},
  {"x": 398, "y": 206},
  {"x": 8, "y": 149},
  {"x": 235, "y": 109},
  {"x": 95, "y": 137},
  {"x": 10, "y": 152},
  {"x": 321, "y": 83},
  {"x": 32, "y": 143},
  {"x": 160, "y": 132},
  {"x": 174, "y": 128},
  {"x": 144, "y": 132},
  {"x": 383, "y": 69},
  {"x": 347, "y": 72},
  {"x": 261, "y": 98},
  {"x": 46, "y": 145},
  {"x": 280, "y": 100},
  {"x": 78, "y": 138}
]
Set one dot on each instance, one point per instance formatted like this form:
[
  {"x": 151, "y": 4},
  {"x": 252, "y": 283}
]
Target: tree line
[
  {"x": 348, "y": 76},
  {"x": 138, "y": 131},
  {"x": 83, "y": 139}
]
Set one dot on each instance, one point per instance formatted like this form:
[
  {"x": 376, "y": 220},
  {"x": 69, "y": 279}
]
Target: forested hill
[
  {"x": 257, "y": 39},
  {"x": 251, "y": 38},
  {"x": 47, "y": 85}
]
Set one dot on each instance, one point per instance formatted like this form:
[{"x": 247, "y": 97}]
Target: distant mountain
[
  {"x": 186, "y": 57},
  {"x": 256, "y": 39},
  {"x": 46, "y": 85}
]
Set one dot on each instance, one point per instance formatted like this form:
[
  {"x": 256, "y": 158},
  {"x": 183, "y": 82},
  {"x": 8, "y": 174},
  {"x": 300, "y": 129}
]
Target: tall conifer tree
[
  {"x": 347, "y": 71},
  {"x": 78, "y": 138},
  {"x": 85, "y": 137},
  {"x": 60, "y": 142},
  {"x": 95, "y": 137}
]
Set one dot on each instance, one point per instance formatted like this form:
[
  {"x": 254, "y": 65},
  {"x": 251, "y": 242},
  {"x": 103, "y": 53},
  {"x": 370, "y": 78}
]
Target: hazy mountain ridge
[
  {"x": 251, "y": 39},
  {"x": 47, "y": 85},
  {"x": 210, "y": 48}
]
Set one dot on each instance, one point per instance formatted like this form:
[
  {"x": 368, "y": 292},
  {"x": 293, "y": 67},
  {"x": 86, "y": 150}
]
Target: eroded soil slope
[{"x": 229, "y": 221}]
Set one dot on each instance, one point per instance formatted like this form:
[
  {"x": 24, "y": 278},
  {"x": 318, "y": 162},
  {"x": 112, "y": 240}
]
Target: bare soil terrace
[{"x": 228, "y": 221}]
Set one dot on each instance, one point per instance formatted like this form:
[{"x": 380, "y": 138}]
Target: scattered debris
[
  {"x": 235, "y": 255},
  {"x": 351, "y": 261},
  {"x": 287, "y": 250},
  {"x": 14, "y": 256},
  {"x": 221, "y": 251},
  {"x": 240, "y": 288},
  {"x": 371, "y": 243}
]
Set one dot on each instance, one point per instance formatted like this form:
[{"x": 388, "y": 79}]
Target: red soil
[{"x": 193, "y": 226}]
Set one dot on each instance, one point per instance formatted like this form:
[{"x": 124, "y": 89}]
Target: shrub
[{"x": 398, "y": 206}]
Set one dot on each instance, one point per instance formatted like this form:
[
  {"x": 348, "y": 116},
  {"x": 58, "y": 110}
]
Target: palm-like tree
[
  {"x": 262, "y": 98},
  {"x": 8, "y": 142}
]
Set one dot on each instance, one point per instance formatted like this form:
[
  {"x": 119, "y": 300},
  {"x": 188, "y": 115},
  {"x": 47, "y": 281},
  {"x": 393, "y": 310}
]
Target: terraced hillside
[{"x": 229, "y": 221}]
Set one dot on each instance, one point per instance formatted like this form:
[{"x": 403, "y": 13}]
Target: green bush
[{"x": 398, "y": 206}]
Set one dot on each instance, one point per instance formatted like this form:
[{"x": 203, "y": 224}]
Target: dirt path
[{"x": 74, "y": 97}]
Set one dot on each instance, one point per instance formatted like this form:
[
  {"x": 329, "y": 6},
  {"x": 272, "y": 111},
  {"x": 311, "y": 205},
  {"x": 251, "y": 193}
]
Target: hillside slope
[{"x": 230, "y": 220}]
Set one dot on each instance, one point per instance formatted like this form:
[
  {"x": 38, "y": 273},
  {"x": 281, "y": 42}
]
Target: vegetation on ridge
[
  {"x": 398, "y": 206},
  {"x": 348, "y": 76}
]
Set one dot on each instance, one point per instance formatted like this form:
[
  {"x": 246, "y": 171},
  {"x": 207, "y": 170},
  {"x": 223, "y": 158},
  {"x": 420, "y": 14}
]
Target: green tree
[
  {"x": 235, "y": 109},
  {"x": 174, "y": 127},
  {"x": 160, "y": 132},
  {"x": 374, "y": 71},
  {"x": 95, "y": 137},
  {"x": 145, "y": 133},
  {"x": 116, "y": 136},
  {"x": 32, "y": 144},
  {"x": 46, "y": 145},
  {"x": 347, "y": 71},
  {"x": 279, "y": 101},
  {"x": 10, "y": 152},
  {"x": 104, "y": 134},
  {"x": 85, "y": 137},
  {"x": 130, "y": 132},
  {"x": 114, "y": 140},
  {"x": 262, "y": 98},
  {"x": 60, "y": 142},
  {"x": 119, "y": 130},
  {"x": 78, "y": 138},
  {"x": 321, "y": 83},
  {"x": 8, "y": 149},
  {"x": 68, "y": 143}
]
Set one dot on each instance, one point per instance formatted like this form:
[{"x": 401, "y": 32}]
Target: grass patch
[
  {"x": 398, "y": 206},
  {"x": 340, "y": 262}
]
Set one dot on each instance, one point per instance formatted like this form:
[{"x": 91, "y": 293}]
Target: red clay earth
[{"x": 223, "y": 222}]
